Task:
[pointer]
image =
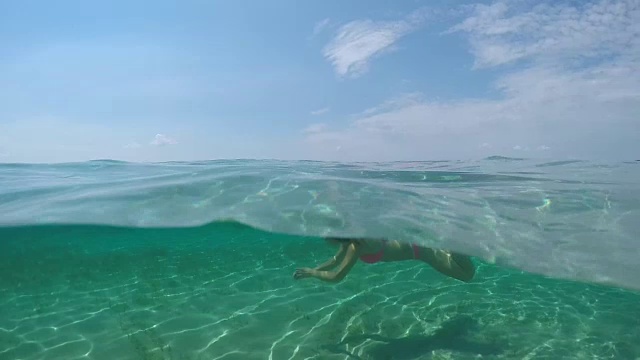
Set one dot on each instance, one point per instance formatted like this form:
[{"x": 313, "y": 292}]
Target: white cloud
[
  {"x": 161, "y": 140},
  {"x": 567, "y": 111},
  {"x": 320, "y": 26},
  {"x": 578, "y": 95},
  {"x": 552, "y": 32},
  {"x": 357, "y": 42},
  {"x": 320, "y": 111},
  {"x": 315, "y": 128}
]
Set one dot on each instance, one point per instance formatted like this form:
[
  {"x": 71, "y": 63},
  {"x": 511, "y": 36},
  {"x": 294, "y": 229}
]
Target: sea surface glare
[{"x": 194, "y": 260}]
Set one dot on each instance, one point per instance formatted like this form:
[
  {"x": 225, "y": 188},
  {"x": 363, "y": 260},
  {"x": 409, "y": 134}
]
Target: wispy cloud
[
  {"x": 315, "y": 128},
  {"x": 320, "y": 26},
  {"x": 320, "y": 111},
  {"x": 161, "y": 140},
  {"x": 357, "y": 42},
  {"x": 502, "y": 33},
  {"x": 575, "y": 86}
]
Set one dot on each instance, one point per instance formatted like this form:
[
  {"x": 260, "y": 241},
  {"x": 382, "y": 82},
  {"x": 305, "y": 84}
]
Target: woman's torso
[{"x": 373, "y": 250}]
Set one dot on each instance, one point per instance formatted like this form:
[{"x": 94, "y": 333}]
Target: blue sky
[{"x": 325, "y": 80}]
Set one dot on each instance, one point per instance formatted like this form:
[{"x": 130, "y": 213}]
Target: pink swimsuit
[{"x": 377, "y": 257}]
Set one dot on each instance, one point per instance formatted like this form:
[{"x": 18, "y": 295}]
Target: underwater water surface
[{"x": 111, "y": 260}]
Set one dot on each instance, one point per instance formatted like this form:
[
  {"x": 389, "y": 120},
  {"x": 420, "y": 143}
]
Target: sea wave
[{"x": 567, "y": 219}]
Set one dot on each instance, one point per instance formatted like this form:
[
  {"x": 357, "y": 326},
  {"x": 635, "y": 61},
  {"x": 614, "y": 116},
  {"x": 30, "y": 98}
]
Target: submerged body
[{"x": 372, "y": 251}]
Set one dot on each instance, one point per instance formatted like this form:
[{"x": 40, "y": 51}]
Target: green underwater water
[{"x": 225, "y": 291}]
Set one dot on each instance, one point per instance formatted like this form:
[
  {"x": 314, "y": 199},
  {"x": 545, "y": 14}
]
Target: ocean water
[{"x": 115, "y": 260}]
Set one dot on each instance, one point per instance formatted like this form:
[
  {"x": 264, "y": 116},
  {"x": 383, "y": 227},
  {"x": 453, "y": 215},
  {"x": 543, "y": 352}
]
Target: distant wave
[{"x": 505, "y": 158}]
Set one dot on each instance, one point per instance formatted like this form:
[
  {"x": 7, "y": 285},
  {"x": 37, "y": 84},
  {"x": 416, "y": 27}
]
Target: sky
[{"x": 326, "y": 80}]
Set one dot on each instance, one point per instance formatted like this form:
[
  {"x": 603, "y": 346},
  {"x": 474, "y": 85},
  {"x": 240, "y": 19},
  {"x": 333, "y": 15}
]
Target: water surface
[{"x": 105, "y": 260}]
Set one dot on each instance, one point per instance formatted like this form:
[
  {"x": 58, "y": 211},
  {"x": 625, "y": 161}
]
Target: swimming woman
[{"x": 372, "y": 251}]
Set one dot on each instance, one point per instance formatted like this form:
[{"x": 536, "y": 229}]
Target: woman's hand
[{"x": 303, "y": 273}]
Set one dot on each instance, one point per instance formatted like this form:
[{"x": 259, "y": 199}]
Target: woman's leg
[{"x": 455, "y": 265}]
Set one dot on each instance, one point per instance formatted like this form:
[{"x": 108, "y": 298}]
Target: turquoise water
[{"x": 111, "y": 260}]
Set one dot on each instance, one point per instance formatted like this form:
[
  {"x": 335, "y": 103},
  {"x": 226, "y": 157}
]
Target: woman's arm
[
  {"x": 350, "y": 259},
  {"x": 334, "y": 260}
]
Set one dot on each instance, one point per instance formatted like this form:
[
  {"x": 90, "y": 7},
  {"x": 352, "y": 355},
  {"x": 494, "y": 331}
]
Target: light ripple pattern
[{"x": 225, "y": 291}]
